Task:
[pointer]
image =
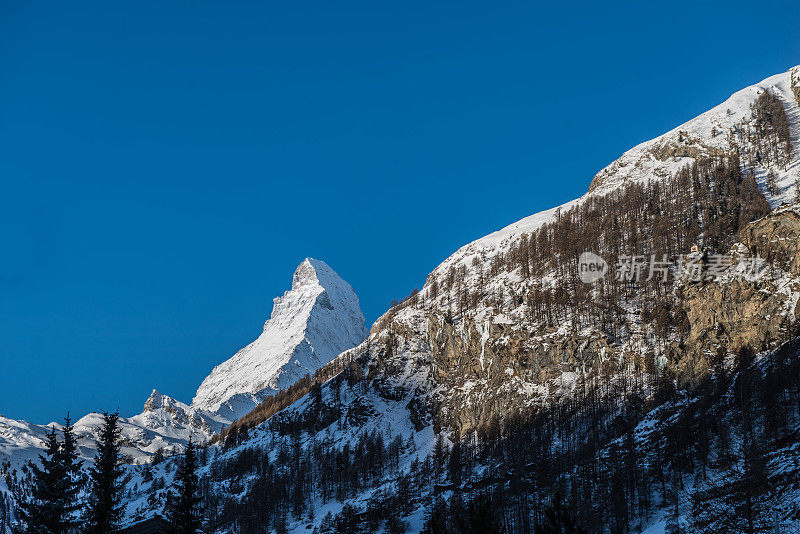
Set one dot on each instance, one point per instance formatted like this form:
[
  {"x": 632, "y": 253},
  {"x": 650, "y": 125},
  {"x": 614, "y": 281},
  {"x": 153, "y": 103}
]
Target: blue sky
[{"x": 166, "y": 165}]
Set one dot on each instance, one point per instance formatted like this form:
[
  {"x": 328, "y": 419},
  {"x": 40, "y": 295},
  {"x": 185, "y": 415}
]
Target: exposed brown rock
[{"x": 776, "y": 238}]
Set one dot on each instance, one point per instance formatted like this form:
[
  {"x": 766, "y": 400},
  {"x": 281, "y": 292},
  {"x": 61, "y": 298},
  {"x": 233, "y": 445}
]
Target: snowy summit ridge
[
  {"x": 719, "y": 131},
  {"x": 311, "y": 324}
]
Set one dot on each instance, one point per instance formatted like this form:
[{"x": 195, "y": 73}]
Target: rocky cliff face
[
  {"x": 494, "y": 357},
  {"x": 485, "y": 367},
  {"x": 494, "y": 370},
  {"x": 758, "y": 312},
  {"x": 777, "y": 239}
]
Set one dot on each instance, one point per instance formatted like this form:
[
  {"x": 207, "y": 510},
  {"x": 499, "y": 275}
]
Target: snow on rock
[
  {"x": 173, "y": 420},
  {"x": 717, "y": 131},
  {"x": 164, "y": 424},
  {"x": 311, "y": 324}
]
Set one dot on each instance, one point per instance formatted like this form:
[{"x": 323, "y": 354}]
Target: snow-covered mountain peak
[{"x": 312, "y": 323}]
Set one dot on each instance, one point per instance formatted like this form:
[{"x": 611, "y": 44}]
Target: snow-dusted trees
[
  {"x": 617, "y": 450},
  {"x": 711, "y": 198},
  {"x": 773, "y": 134},
  {"x": 44, "y": 511},
  {"x": 740, "y": 495}
]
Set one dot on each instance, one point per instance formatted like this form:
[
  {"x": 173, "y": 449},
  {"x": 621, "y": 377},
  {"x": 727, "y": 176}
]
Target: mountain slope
[
  {"x": 315, "y": 321},
  {"x": 505, "y": 354}
]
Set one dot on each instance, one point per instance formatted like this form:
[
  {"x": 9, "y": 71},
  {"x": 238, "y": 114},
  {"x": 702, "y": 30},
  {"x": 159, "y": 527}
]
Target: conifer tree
[
  {"x": 347, "y": 520},
  {"x": 71, "y": 465},
  {"x": 106, "y": 480},
  {"x": 436, "y": 518},
  {"x": 184, "y": 506},
  {"x": 44, "y": 512}
]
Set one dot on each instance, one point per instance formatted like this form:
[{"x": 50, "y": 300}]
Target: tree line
[{"x": 62, "y": 496}]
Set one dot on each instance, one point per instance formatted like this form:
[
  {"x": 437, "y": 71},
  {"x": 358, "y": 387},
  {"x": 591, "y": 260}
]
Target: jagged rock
[
  {"x": 776, "y": 238},
  {"x": 495, "y": 369}
]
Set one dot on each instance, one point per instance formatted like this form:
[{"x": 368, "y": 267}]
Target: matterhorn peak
[
  {"x": 312, "y": 323},
  {"x": 306, "y": 273}
]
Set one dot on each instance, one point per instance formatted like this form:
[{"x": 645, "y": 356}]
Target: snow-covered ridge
[
  {"x": 709, "y": 134},
  {"x": 705, "y": 135},
  {"x": 163, "y": 424},
  {"x": 311, "y": 324}
]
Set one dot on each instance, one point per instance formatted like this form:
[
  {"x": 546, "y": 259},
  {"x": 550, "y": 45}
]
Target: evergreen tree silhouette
[
  {"x": 396, "y": 525},
  {"x": 347, "y": 520},
  {"x": 184, "y": 506},
  {"x": 45, "y": 511},
  {"x": 74, "y": 478},
  {"x": 106, "y": 480}
]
